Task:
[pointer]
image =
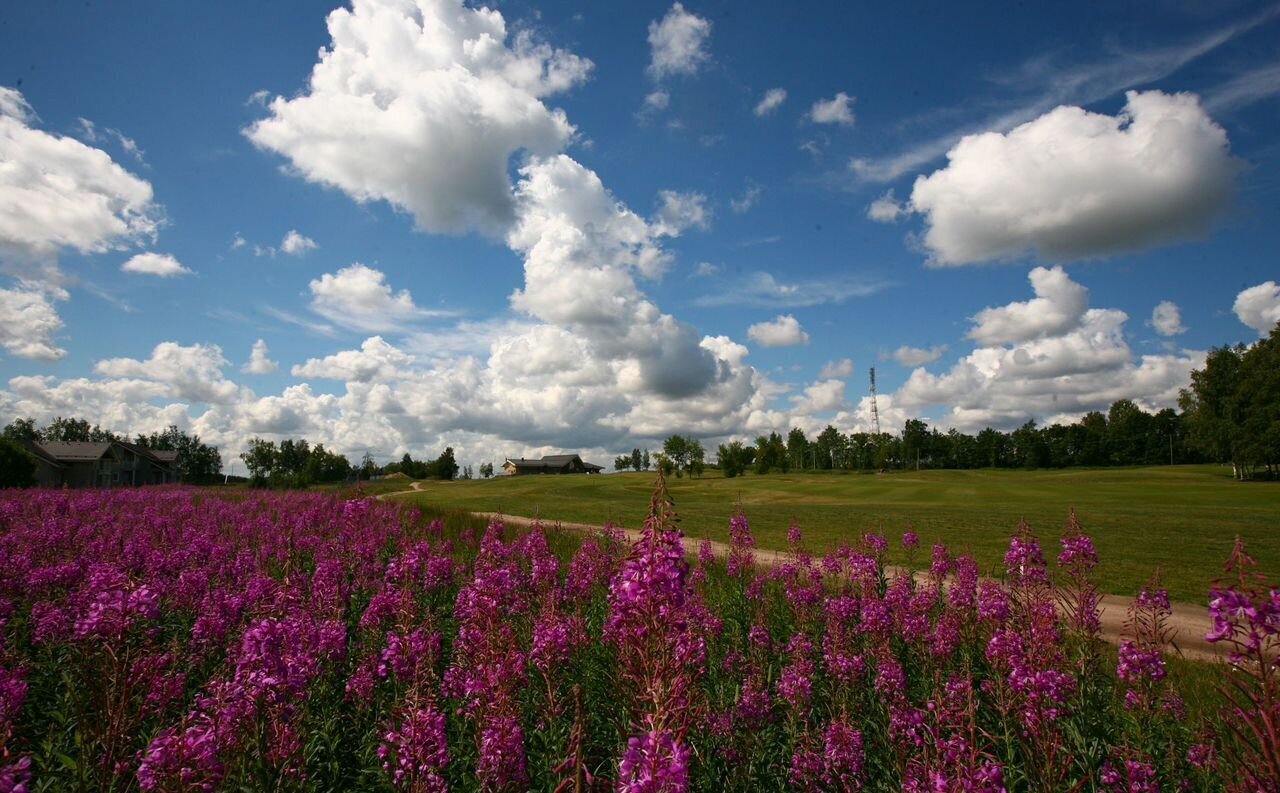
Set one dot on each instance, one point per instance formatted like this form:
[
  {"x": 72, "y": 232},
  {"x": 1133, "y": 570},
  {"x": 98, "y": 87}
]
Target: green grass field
[{"x": 1181, "y": 519}]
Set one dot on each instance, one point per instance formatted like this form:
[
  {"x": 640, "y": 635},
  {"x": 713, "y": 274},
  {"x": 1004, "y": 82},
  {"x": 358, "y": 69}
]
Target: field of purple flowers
[{"x": 177, "y": 639}]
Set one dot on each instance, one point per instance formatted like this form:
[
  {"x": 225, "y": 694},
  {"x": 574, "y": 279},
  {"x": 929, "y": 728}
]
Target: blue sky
[{"x": 534, "y": 227}]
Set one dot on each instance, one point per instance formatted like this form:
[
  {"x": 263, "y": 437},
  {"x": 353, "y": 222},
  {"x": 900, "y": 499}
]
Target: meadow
[
  {"x": 1180, "y": 519},
  {"x": 167, "y": 639}
]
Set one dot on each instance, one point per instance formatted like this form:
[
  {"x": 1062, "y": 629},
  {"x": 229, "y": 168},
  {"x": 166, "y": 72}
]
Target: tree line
[{"x": 1230, "y": 413}]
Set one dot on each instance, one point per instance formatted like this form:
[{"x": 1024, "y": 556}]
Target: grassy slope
[{"x": 1181, "y": 519}]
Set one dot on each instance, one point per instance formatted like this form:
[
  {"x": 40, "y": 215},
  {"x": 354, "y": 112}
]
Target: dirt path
[{"x": 1189, "y": 623}]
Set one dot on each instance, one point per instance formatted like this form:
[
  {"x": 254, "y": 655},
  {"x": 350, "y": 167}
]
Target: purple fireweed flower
[
  {"x": 806, "y": 769},
  {"x": 795, "y": 686},
  {"x": 1078, "y": 555},
  {"x": 415, "y": 752},
  {"x": 502, "y": 761},
  {"x": 876, "y": 544},
  {"x": 654, "y": 762},
  {"x": 842, "y": 756},
  {"x": 409, "y": 657},
  {"x": 1140, "y": 664},
  {"x": 555, "y": 637},
  {"x": 186, "y": 757},
  {"x": 13, "y": 694},
  {"x": 910, "y": 540},
  {"x": 741, "y": 559},
  {"x": 15, "y": 777},
  {"x": 1200, "y": 756},
  {"x": 963, "y": 592},
  {"x": 1024, "y": 563},
  {"x": 1152, "y": 599},
  {"x": 993, "y": 602},
  {"x": 706, "y": 553},
  {"x": 755, "y": 705},
  {"x": 941, "y": 564},
  {"x": 795, "y": 539},
  {"x": 1133, "y": 776}
]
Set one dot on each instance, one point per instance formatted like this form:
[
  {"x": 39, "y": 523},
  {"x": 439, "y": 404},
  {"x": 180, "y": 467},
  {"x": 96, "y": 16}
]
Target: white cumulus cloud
[
  {"x": 159, "y": 264},
  {"x": 1059, "y": 306},
  {"x": 295, "y": 244},
  {"x": 918, "y": 356},
  {"x": 771, "y": 101},
  {"x": 679, "y": 212},
  {"x": 192, "y": 373},
  {"x": 57, "y": 193},
  {"x": 886, "y": 209},
  {"x": 375, "y": 360},
  {"x": 359, "y": 297},
  {"x": 1167, "y": 319},
  {"x": 259, "y": 360},
  {"x": 836, "y": 110},
  {"x": 423, "y": 107},
  {"x": 1071, "y": 361},
  {"x": 1259, "y": 307},
  {"x": 678, "y": 44},
  {"x": 783, "y": 331},
  {"x": 837, "y": 370},
  {"x": 28, "y": 322},
  {"x": 1073, "y": 184}
]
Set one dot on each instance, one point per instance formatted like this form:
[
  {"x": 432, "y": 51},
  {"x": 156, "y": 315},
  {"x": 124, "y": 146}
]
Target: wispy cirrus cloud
[{"x": 763, "y": 290}]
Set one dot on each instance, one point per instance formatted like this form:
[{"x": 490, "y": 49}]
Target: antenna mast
[{"x": 875, "y": 409}]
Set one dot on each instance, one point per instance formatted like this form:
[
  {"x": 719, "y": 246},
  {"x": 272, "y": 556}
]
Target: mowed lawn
[{"x": 1181, "y": 520}]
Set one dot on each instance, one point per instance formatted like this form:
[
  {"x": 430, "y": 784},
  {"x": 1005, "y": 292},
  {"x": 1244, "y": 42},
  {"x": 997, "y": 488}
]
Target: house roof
[
  {"x": 57, "y": 452},
  {"x": 164, "y": 457},
  {"x": 74, "y": 451},
  {"x": 37, "y": 450},
  {"x": 552, "y": 461}
]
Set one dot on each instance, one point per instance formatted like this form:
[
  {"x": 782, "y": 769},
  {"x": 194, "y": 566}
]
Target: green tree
[
  {"x": 798, "y": 449},
  {"x": 22, "y": 430},
  {"x": 732, "y": 458},
  {"x": 72, "y": 430},
  {"x": 636, "y": 460},
  {"x": 17, "y": 466},
  {"x": 260, "y": 460},
  {"x": 197, "y": 462},
  {"x": 486, "y": 470},
  {"x": 1257, "y": 406},
  {"x": 443, "y": 467},
  {"x": 915, "y": 435},
  {"x": 1210, "y": 406}
]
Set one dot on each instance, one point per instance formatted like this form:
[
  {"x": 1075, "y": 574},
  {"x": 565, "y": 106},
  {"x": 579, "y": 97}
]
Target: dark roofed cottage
[{"x": 550, "y": 464}]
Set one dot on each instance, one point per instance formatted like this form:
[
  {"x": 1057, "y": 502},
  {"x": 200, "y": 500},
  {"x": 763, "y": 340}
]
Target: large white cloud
[
  {"x": 782, "y": 331},
  {"x": 191, "y": 373},
  {"x": 1058, "y": 307},
  {"x": 422, "y": 103},
  {"x": 1073, "y": 184},
  {"x": 375, "y": 360},
  {"x": 1259, "y": 307},
  {"x": 678, "y": 43},
  {"x": 57, "y": 193},
  {"x": 28, "y": 322},
  {"x": 1072, "y": 360},
  {"x": 359, "y": 297}
]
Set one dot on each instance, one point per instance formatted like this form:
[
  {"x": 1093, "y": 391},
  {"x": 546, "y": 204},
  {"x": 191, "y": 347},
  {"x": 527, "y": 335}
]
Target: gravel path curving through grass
[{"x": 1188, "y": 624}]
